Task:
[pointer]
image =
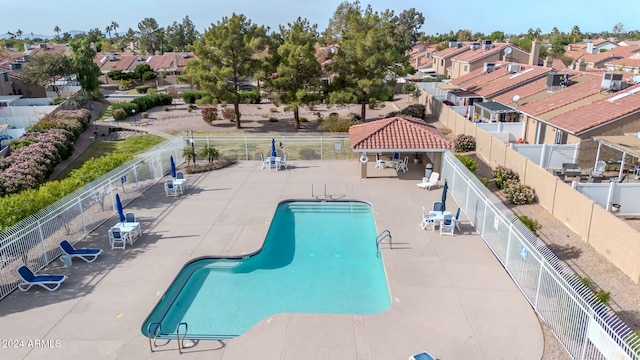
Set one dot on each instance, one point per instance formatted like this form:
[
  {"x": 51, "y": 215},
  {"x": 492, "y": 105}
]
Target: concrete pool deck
[{"x": 450, "y": 295}]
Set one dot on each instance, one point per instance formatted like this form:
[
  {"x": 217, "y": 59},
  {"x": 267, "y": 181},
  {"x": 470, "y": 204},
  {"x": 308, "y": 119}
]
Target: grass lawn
[{"x": 134, "y": 145}]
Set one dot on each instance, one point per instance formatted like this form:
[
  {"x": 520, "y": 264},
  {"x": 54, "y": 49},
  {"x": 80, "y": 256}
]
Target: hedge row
[
  {"x": 246, "y": 97},
  {"x": 16, "y": 207},
  {"x": 34, "y": 156},
  {"x": 139, "y": 105}
]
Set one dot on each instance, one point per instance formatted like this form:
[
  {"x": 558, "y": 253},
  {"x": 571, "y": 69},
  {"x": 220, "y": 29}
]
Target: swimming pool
[{"x": 318, "y": 257}]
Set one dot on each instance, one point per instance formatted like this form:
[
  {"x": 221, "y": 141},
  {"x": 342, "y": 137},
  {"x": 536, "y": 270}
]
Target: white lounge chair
[
  {"x": 598, "y": 170},
  {"x": 427, "y": 183},
  {"x": 283, "y": 162},
  {"x": 263, "y": 161},
  {"x": 88, "y": 255},
  {"x": 48, "y": 282}
]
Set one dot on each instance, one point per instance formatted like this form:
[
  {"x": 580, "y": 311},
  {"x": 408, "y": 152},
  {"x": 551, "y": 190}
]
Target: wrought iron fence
[
  {"x": 585, "y": 327},
  {"x": 34, "y": 240}
]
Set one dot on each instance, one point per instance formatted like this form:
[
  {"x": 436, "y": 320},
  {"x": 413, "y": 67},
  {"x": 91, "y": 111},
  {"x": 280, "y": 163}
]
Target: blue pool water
[{"x": 318, "y": 257}]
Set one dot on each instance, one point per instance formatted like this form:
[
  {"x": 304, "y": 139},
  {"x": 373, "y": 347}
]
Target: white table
[
  {"x": 277, "y": 161},
  {"x": 438, "y": 216},
  {"x": 180, "y": 184},
  {"x": 133, "y": 229}
]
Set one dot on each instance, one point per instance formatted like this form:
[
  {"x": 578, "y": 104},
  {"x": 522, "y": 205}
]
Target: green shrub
[
  {"x": 250, "y": 97},
  {"x": 415, "y": 110},
  {"x": 190, "y": 97},
  {"x": 586, "y": 281},
  {"x": 468, "y": 162},
  {"x": 603, "y": 296},
  {"x": 189, "y": 109},
  {"x": 229, "y": 114},
  {"x": 335, "y": 124},
  {"x": 58, "y": 101},
  {"x": 464, "y": 143},
  {"x": 501, "y": 174},
  {"x": 303, "y": 119},
  {"x": 530, "y": 223},
  {"x": 273, "y": 110},
  {"x": 272, "y": 119},
  {"x": 119, "y": 114},
  {"x": 142, "y": 89},
  {"x": 124, "y": 84},
  {"x": 145, "y": 115},
  {"x": 166, "y": 108}
]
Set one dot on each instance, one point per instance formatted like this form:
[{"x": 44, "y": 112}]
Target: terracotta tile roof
[
  {"x": 129, "y": 61},
  {"x": 472, "y": 56},
  {"x": 498, "y": 81},
  {"x": 610, "y": 108},
  {"x": 397, "y": 133},
  {"x": 452, "y": 51},
  {"x": 624, "y": 62},
  {"x": 525, "y": 92},
  {"x": 584, "y": 88}
]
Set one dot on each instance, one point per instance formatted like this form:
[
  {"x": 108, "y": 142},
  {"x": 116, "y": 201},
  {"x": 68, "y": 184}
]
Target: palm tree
[
  {"x": 57, "y": 31},
  {"x": 189, "y": 154},
  {"x": 114, "y": 27},
  {"x": 19, "y": 34},
  {"x": 108, "y": 31},
  {"x": 209, "y": 152}
]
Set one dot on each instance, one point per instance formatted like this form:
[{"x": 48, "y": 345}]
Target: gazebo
[{"x": 404, "y": 135}]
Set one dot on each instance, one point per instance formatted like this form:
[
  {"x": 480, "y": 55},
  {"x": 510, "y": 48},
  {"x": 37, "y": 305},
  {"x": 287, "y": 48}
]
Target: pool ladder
[
  {"x": 158, "y": 329},
  {"x": 383, "y": 235}
]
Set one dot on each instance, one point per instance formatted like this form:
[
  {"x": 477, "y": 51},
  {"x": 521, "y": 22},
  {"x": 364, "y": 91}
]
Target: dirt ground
[{"x": 568, "y": 246}]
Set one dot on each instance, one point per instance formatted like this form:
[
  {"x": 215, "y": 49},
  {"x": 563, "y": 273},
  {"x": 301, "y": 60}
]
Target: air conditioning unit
[
  {"x": 474, "y": 45},
  {"x": 453, "y": 43},
  {"x": 557, "y": 80},
  {"x": 514, "y": 68},
  {"x": 428, "y": 54},
  {"x": 185, "y": 54},
  {"x": 43, "y": 46},
  {"x": 111, "y": 57},
  {"x": 15, "y": 66},
  {"x": 489, "y": 67},
  {"x": 487, "y": 45},
  {"x": 611, "y": 82}
]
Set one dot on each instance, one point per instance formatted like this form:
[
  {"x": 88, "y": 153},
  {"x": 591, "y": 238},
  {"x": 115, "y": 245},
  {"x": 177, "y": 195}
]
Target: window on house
[
  {"x": 465, "y": 68},
  {"x": 561, "y": 137},
  {"x": 5, "y": 76},
  {"x": 441, "y": 62}
]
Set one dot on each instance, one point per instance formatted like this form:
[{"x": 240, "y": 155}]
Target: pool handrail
[{"x": 383, "y": 235}]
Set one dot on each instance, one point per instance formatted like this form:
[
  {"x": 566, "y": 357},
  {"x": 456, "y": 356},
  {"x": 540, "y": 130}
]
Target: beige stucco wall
[{"x": 609, "y": 236}]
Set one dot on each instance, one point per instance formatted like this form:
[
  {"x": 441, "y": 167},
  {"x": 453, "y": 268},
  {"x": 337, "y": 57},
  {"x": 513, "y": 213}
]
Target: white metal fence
[
  {"x": 34, "y": 241},
  {"x": 585, "y": 327},
  {"x": 548, "y": 156},
  {"x": 298, "y": 146}
]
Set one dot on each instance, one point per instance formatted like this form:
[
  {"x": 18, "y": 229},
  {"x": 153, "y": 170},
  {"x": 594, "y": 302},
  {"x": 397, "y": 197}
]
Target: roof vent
[
  {"x": 611, "y": 82},
  {"x": 489, "y": 67},
  {"x": 514, "y": 68},
  {"x": 474, "y": 45},
  {"x": 139, "y": 58}
]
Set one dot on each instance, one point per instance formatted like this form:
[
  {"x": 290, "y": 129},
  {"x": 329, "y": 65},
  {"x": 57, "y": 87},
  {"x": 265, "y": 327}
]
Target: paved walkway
[{"x": 450, "y": 295}]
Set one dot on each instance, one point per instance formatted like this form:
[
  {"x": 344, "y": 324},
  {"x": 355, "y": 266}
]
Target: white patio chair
[
  {"x": 380, "y": 164},
  {"x": 263, "y": 161},
  {"x": 598, "y": 170},
  {"x": 427, "y": 183},
  {"x": 170, "y": 188},
  {"x": 117, "y": 238},
  {"x": 427, "y": 219},
  {"x": 283, "y": 162},
  {"x": 403, "y": 165},
  {"x": 273, "y": 163},
  {"x": 448, "y": 224}
]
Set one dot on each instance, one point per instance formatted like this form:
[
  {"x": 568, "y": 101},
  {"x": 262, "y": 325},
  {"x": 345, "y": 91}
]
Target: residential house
[
  {"x": 168, "y": 65},
  {"x": 593, "y": 56},
  {"x": 442, "y": 59},
  {"x": 483, "y": 54},
  {"x": 421, "y": 57}
]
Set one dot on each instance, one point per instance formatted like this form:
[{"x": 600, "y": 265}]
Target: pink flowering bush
[
  {"x": 502, "y": 174},
  {"x": 517, "y": 193},
  {"x": 34, "y": 156}
]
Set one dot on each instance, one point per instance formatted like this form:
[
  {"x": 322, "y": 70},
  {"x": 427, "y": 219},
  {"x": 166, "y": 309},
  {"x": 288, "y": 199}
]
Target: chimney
[
  {"x": 535, "y": 50},
  {"x": 548, "y": 62},
  {"x": 590, "y": 47},
  {"x": 580, "y": 65}
]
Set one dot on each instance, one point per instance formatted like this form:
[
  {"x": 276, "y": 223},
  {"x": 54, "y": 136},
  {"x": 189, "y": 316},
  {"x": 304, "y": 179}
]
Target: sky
[{"x": 40, "y": 17}]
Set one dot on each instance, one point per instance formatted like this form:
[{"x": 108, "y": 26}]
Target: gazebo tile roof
[{"x": 397, "y": 133}]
